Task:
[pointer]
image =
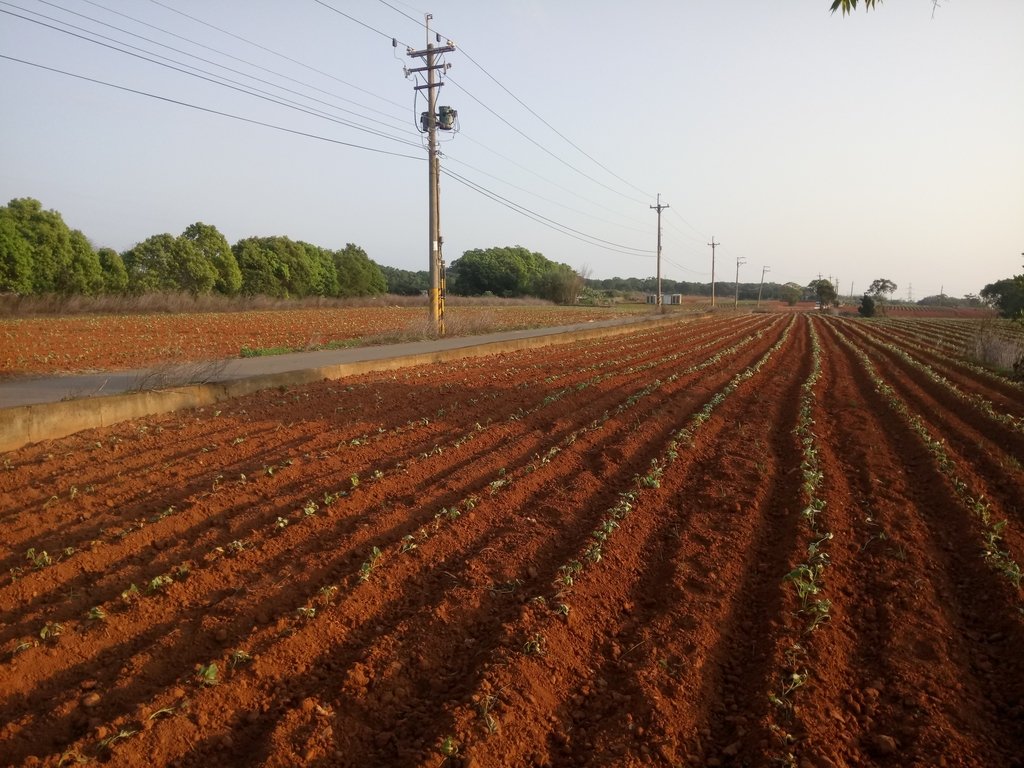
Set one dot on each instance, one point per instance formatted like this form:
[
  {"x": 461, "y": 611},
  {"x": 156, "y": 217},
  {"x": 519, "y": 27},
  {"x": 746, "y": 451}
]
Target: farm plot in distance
[
  {"x": 736, "y": 541},
  {"x": 54, "y": 345}
]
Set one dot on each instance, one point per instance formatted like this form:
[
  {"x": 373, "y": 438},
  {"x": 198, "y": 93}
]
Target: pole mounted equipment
[
  {"x": 659, "y": 208},
  {"x": 431, "y": 121}
]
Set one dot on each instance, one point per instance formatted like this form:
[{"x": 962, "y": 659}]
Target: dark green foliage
[
  {"x": 115, "y": 276},
  {"x": 867, "y": 306},
  {"x": 83, "y": 274},
  {"x": 824, "y": 291},
  {"x": 214, "y": 248},
  {"x": 167, "y": 263},
  {"x": 1006, "y": 295},
  {"x": 357, "y": 275},
  {"x": 405, "y": 282},
  {"x": 513, "y": 271},
  {"x": 15, "y": 256}
]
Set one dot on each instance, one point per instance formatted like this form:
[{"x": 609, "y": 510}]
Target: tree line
[{"x": 40, "y": 254}]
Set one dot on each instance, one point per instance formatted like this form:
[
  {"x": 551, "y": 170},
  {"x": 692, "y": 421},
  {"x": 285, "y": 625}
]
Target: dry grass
[
  {"x": 14, "y": 306},
  {"x": 998, "y": 344}
]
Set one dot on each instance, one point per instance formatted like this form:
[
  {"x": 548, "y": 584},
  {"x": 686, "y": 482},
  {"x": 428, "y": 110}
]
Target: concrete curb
[{"x": 21, "y": 425}]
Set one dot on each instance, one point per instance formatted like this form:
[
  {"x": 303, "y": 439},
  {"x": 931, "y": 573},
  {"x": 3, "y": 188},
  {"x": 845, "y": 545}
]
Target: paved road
[{"x": 51, "y": 389}]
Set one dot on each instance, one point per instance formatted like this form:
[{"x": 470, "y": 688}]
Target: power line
[
  {"x": 547, "y": 180},
  {"x": 360, "y": 23},
  {"x": 537, "y": 144},
  {"x": 222, "y": 53},
  {"x": 212, "y": 78},
  {"x": 549, "y": 125},
  {"x": 548, "y": 222},
  {"x": 208, "y": 109},
  {"x": 191, "y": 55},
  {"x": 541, "y": 197},
  {"x": 276, "y": 53}
]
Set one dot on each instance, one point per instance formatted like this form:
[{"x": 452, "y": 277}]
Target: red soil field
[
  {"x": 75, "y": 344},
  {"x": 734, "y": 541}
]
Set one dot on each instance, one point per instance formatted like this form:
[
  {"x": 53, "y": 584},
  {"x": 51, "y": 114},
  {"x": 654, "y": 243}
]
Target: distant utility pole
[
  {"x": 739, "y": 260},
  {"x": 659, "y": 208},
  {"x": 763, "y": 270},
  {"x": 713, "y": 244},
  {"x": 910, "y": 291},
  {"x": 430, "y": 122}
]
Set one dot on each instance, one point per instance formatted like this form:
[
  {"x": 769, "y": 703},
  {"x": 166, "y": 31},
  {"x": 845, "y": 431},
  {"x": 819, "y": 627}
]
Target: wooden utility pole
[
  {"x": 713, "y": 244},
  {"x": 739, "y": 260},
  {"x": 761, "y": 288},
  {"x": 429, "y": 125},
  {"x": 659, "y": 208}
]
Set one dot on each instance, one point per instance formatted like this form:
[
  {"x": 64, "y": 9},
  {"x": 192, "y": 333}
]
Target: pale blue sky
[{"x": 886, "y": 144}]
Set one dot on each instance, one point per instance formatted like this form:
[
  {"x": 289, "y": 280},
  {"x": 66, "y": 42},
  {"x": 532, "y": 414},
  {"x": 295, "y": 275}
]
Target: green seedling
[
  {"x": 96, "y": 613},
  {"x": 307, "y": 612},
  {"x": 408, "y": 544},
  {"x": 39, "y": 559},
  {"x": 449, "y": 747},
  {"x": 51, "y": 631},
  {"x": 236, "y": 546},
  {"x": 534, "y": 646},
  {"x": 131, "y": 594},
  {"x": 310, "y": 508},
  {"x": 23, "y": 646},
  {"x": 328, "y": 593},
  {"x": 366, "y": 569},
  {"x": 354, "y": 480},
  {"x": 160, "y": 583},
  {"x": 238, "y": 656},
  {"x": 207, "y": 674},
  {"x": 73, "y": 757},
  {"x": 280, "y": 524},
  {"x": 162, "y": 712}
]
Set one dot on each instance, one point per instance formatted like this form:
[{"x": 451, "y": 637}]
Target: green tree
[
  {"x": 881, "y": 288},
  {"x": 1007, "y": 295},
  {"x": 213, "y": 247},
  {"x": 825, "y": 292},
  {"x": 83, "y": 274},
  {"x": 15, "y": 256},
  {"x": 404, "y": 282},
  {"x": 167, "y": 263},
  {"x": 263, "y": 272},
  {"x": 115, "y": 276},
  {"x": 324, "y": 274},
  {"x": 509, "y": 271},
  {"x": 867, "y": 306},
  {"x": 49, "y": 241},
  {"x": 791, "y": 294},
  {"x": 358, "y": 275}
]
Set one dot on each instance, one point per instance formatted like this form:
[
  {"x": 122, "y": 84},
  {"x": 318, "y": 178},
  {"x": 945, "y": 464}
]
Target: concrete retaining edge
[{"x": 25, "y": 424}]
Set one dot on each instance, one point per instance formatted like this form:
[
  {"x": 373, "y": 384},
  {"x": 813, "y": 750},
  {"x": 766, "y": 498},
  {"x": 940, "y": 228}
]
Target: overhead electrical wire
[
  {"x": 225, "y": 54},
  {"x": 540, "y": 146},
  {"x": 451, "y": 159},
  {"x": 198, "y": 58},
  {"x": 565, "y": 229},
  {"x": 525, "y": 106},
  {"x": 218, "y": 79},
  {"x": 561, "y": 135},
  {"x": 208, "y": 110},
  {"x": 215, "y": 79},
  {"x": 275, "y": 53}
]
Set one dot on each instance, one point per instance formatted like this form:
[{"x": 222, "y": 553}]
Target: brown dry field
[
  {"x": 609, "y": 553},
  {"x": 83, "y": 343}
]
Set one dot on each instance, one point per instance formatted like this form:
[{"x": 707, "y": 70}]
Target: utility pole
[
  {"x": 659, "y": 208},
  {"x": 429, "y": 124},
  {"x": 763, "y": 270},
  {"x": 739, "y": 260},
  {"x": 713, "y": 244}
]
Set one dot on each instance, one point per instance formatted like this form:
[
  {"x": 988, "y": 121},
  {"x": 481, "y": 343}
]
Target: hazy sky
[{"x": 886, "y": 144}]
